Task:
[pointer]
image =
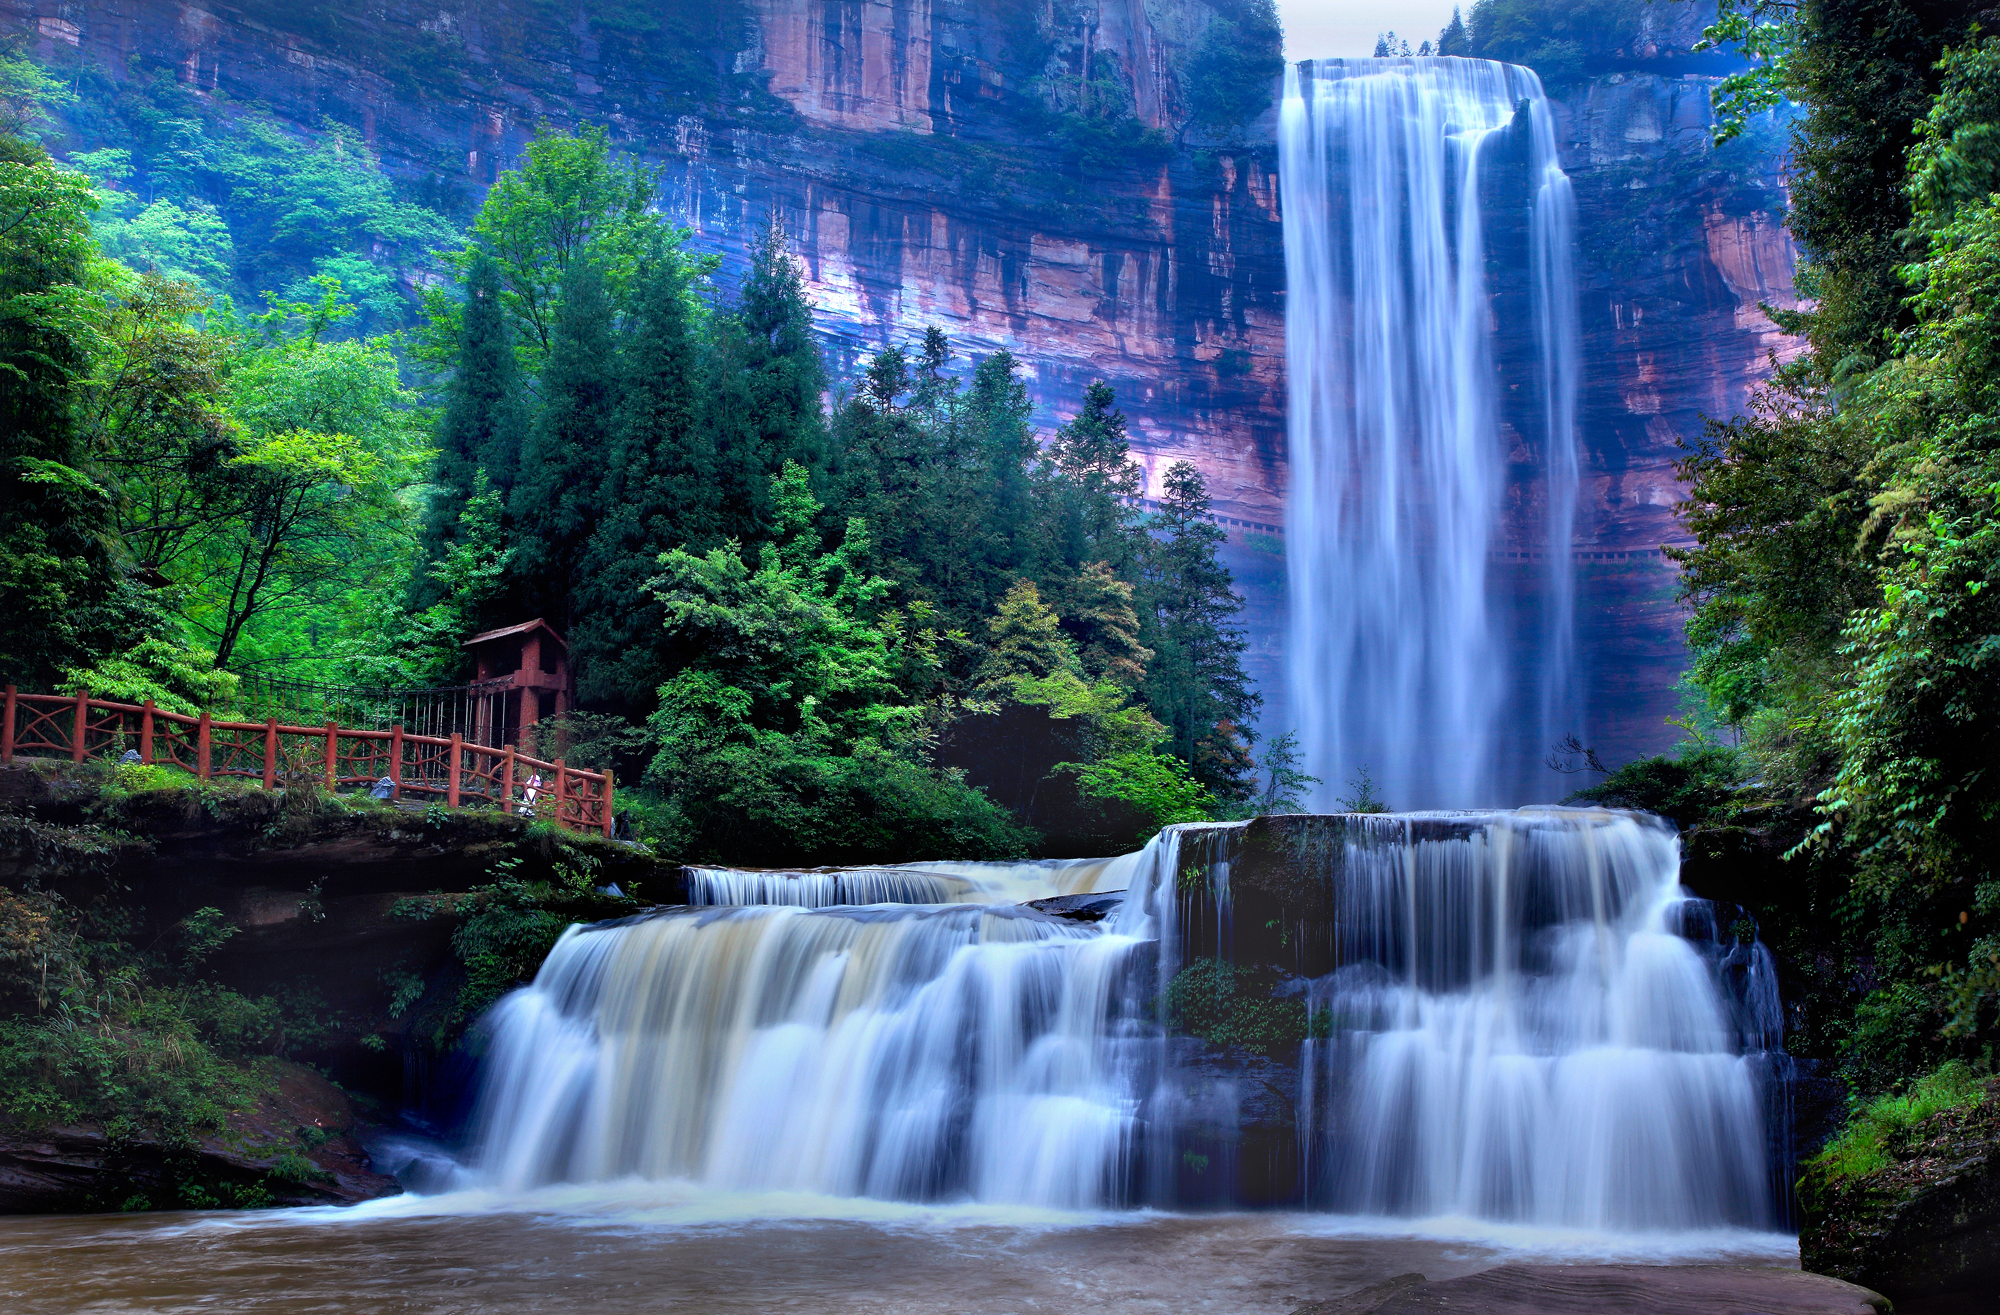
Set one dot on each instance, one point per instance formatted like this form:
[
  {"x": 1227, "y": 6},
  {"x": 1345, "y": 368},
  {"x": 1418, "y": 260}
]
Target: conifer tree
[
  {"x": 1025, "y": 641},
  {"x": 480, "y": 429},
  {"x": 1108, "y": 628},
  {"x": 769, "y": 387},
  {"x": 1453, "y": 40},
  {"x": 659, "y": 493},
  {"x": 1090, "y": 486},
  {"x": 557, "y": 499},
  {"x": 1196, "y": 684},
  {"x": 996, "y": 422}
]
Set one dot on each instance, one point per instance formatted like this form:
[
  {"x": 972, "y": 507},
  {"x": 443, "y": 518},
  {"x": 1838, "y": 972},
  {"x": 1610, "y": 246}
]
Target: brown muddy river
[{"x": 655, "y": 1248}]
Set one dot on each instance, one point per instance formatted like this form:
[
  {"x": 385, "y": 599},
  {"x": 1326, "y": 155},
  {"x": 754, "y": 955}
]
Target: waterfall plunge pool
[{"x": 610, "y": 1248}]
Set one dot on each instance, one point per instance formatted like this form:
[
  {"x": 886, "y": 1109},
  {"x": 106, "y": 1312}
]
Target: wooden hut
[{"x": 520, "y": 675}]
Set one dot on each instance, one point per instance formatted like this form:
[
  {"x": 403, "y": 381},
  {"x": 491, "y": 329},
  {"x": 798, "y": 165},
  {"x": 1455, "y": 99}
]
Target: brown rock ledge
[
  {"x": 303, "y": 1116},
  {"x": 1612, "y": 1290}
]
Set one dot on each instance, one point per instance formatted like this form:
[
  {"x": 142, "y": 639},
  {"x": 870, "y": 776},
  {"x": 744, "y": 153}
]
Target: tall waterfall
[
  {"x": 1427, "y": 222},
  {"x": 1519, "y": 1017}
]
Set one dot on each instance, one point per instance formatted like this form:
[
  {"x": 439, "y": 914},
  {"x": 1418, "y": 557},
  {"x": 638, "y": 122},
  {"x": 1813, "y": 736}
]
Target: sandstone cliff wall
[{"x": 912, "y": 148}]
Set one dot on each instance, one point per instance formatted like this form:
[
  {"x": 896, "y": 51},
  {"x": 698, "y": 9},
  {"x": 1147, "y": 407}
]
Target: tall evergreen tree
[
  {"x": 659, "y": 493},
  {"x": 770, "y": 382},
  {"x": 995, "y": 423},
  {"x": 480, "y": 429},
  {"x": 1090, "y": 488},
  {"x": 1196, "y": 685},
  {"x": 557, "y": 499},
  {"x": 1453, "y": 40}
]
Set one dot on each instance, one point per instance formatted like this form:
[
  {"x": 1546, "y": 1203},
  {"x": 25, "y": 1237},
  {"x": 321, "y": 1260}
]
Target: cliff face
[{"x": 1043, "y": 178}]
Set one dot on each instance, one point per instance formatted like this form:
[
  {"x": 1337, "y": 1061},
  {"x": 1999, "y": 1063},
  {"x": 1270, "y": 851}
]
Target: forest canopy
[{"x": 811, "y": 619}]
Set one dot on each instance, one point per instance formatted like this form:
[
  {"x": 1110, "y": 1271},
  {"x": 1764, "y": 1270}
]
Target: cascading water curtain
[{"x": 1407, "y": 184}]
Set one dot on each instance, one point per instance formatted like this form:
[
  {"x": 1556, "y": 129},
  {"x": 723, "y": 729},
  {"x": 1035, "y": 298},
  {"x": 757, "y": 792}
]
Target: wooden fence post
[
  {"x": 7, "y": 730},
  {"x": 271, "y": 754},
  {"x": 146, "y": 734},
  {"x": 201, "y": 748},
  {"x": 607, "y": 803},
  {"x": 451, "y": 774},
  {"x": 82, "y": 726},
  {"x": 507, "y": 780},
  {"x": 562, "y": 790},
  {"x": 332, "y": 756},
  {"x": 396, "y": 762}
]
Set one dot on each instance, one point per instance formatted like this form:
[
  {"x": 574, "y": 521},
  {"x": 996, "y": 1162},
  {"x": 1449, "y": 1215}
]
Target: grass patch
[{"x": 1866, "y": 1144}]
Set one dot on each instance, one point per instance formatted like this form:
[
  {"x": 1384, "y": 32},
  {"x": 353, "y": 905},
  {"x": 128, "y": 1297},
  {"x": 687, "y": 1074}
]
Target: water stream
[
  {"x": 1428, "y": 246},
  {"x": 1520, "y": 1018}
]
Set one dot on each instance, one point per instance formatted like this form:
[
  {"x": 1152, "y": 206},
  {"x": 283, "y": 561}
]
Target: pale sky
[{"x": 1317, "y": 28}]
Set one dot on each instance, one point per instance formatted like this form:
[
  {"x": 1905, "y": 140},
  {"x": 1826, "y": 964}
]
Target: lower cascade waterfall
[{"x": 1508, "y": 1016}]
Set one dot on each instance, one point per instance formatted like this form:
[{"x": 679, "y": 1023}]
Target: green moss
[
  {"x": 1226, "y": 1004},
  {"x": 1866, "y": 1145}
]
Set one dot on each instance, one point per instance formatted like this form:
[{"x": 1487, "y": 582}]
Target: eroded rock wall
[{"x": 913, "y": 149}]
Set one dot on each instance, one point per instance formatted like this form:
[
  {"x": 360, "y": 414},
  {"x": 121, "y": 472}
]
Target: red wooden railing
[{"x": 79, "y": 727}]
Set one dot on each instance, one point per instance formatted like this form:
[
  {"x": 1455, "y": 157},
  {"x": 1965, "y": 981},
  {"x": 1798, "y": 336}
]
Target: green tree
[
  {"x": 1089, "y": 487},
  {"x": 659, "y": 490},
  {"x": 480, "y": 430},
  {"x": 64, "y": 593},
  {"x": 557, "y": 498},
  {"x": 327, "y": 444},
  {"x": 570, "y": 204},
  {"x": 769, "y": 382},
  {"x": 1453, "y": 40},
  {"x": 1196, "y": 684}
]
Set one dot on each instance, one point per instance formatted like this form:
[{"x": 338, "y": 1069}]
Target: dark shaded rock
[
  {"x": 329, "y": 901},
  {"x": 1094, "y": 907},
  {"x": 1612, "y": 1290},
  {"x": 1928, "y": 1224},
  {"x": 297, "y": 1146}
]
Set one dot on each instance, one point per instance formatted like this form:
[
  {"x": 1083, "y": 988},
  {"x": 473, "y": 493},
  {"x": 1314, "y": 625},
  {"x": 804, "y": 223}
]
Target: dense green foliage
[
  {"x": 1697, "y": 786},
  {"x": 795, "y": 619},
  {"x": 1235, "y": 66},
  {"x": 1847, "y": 538},
  {"x": 1557, "y": 38}
]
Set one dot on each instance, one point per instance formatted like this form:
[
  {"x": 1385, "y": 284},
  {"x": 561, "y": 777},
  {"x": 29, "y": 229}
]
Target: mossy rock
[{"x": 1924, "y": 1223}]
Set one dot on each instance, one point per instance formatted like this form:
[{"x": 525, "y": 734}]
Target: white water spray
[
  {"x": 1405, "y": 183},
  {"x": 1515, "y": 1028}
]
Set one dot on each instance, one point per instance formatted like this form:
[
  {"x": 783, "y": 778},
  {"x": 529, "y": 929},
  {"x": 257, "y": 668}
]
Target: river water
[{"x": 661, "y": 1247}]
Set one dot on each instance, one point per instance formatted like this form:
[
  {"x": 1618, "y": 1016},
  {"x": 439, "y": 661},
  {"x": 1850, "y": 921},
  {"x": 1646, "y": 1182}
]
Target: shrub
[{"x": 1698, "y": 787}]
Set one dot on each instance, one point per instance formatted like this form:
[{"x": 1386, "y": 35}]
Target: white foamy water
[
  {"x": 1521, "y": 1032},
  {"x": 910, "y": 883},
  {"x": 1518, "y": 1032},
  {"x": 1405, "y": 184}
]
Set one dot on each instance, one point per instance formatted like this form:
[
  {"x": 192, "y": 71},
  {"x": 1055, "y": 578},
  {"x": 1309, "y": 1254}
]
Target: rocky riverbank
[{"x": 207, "y": 989}]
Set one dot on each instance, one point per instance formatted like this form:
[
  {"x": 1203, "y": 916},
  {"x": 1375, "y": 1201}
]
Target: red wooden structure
[
  {"x": 521, "y": 674},
  {"x": 77, "y": 727}
]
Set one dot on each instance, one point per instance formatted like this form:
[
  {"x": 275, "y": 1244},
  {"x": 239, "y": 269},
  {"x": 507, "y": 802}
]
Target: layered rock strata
[{"x": 933, "y": 161}]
